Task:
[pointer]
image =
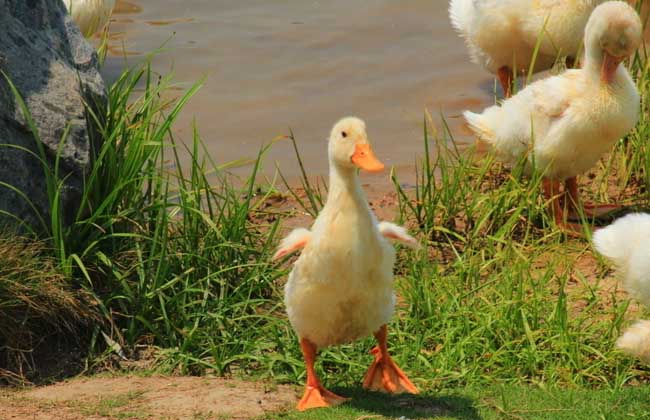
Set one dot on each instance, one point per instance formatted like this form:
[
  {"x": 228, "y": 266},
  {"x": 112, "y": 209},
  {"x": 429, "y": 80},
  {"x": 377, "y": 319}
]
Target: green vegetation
[
  {"x": 504, "y": 402},
  {"x": 177, "y": 256}
]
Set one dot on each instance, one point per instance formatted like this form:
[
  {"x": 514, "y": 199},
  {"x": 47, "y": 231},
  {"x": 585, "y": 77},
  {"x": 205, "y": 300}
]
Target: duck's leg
[
  {"x": 505, "y": 77},
  {"x": 590, "y": 211},
  {"x": 553, "y": 197},
  {"x": 384, "y": 375},
  {"x": 315, "y": 395},
  {"x": 570, "y": 62}
]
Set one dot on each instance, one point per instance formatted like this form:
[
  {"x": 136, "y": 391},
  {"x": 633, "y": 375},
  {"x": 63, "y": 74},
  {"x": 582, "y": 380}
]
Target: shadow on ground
[{"x": 422, "y": 406}]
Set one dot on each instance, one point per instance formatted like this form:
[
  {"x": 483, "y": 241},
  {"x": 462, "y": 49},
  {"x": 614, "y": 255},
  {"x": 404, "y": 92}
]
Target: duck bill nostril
[{"x": 365, "y": 158}]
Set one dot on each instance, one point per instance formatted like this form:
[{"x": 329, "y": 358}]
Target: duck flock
[{"x": 341, "y": 285}]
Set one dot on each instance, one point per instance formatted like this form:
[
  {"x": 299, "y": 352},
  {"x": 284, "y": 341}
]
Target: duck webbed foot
[
  {"x": 384, "y": 375},
  {"x": 593, "y": 212},
  {"x": 318, "y": 397},
  {"x": 315, "y": 396},
  {"x": 576, "y": 209}
]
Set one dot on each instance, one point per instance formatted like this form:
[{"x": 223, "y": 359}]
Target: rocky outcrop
[{"x": 56, "y": 71}]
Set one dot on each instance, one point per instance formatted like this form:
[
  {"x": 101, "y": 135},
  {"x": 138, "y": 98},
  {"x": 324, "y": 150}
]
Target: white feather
[
  {"x": 292, "y": 242},
  {"x": 399, "y": 233},
  {"x": 502, "y": 33},
  {"x": 626, "y": 243},
  {"x": 90, "y": 15},
  {"x": 636, "y": 341},
  {"x": 564, "y": 124}
]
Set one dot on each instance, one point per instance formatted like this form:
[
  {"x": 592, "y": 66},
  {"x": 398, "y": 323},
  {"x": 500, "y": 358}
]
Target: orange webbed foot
[
  {"x": 385, "y": 376},
  {"x": 594, "y": 211},
  {"x": 318, "y": 397}
]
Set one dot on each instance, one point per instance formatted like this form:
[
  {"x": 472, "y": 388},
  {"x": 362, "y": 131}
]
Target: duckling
[
  {"x": 341, "y": 286},
  {"x": 563, "y": 124},
  {"x": 90, "y": 15},
  {"x": 501, "y": 35},
  {"x": 626, "y": 243}
]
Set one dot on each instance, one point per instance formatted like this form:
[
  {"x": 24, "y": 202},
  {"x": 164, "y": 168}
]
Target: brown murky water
[{"x": 303, "y": 64}]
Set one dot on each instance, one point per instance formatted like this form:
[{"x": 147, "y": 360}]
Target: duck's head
[
  {"x": 614, "y": 31},
  {"x": 349, "y": 146}
]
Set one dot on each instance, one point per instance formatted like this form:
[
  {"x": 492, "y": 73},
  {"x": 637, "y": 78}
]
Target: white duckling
[
  {"x": 626, "y": 243},
  {"x": 501, "y": 35},
  {"x": 341, "y": 286},
  {"x": 564, "y": 124},
  {"x": 90, "y": 15}
]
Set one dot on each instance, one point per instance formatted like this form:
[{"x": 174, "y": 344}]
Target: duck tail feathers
[
  {"x": 460, "y": 14},
  {"x": 479, "y": 126}
]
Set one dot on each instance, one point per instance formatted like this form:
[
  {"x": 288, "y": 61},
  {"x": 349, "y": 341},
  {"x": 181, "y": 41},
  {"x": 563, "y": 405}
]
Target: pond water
[{"x": 271, "y": 66}]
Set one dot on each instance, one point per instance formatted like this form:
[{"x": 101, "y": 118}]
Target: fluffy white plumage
[
  {"x": 295, "y": 240},
  {"x": 565, "y": 123},
  {"x": 635, "y": 341},
  {"x": 399, "y": 233},
  {"x": 502, "y": 33},
  {"x": 90, "y": 15},
  {"x": 341, "y": 286},
  {"x": 626, "y": 243}
]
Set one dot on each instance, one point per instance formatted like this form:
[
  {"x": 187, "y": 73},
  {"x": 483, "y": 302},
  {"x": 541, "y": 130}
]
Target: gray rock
[{"x": 56, "y": 71}]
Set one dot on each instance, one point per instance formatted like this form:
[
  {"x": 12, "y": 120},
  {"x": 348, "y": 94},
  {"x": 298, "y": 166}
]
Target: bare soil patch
[{"x": 156, "y": 397}]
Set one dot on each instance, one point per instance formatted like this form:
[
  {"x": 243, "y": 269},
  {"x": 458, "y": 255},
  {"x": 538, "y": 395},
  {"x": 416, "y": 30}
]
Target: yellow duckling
[
  {"x": 501, "y": 35},
  {"x": 90, "y": 15},
  {"x": 564, "y": 124},
  {"x": 341, "y": 286}
]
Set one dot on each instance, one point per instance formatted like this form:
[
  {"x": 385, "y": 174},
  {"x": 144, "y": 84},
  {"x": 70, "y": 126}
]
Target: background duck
[
  {"x": 90, "y": 15},
  {"x": 501, "y": 35},
  {"x": 626, "y": 243},
  {"x": 341, "y": 286},
  {"x": 564, "y": 124}
]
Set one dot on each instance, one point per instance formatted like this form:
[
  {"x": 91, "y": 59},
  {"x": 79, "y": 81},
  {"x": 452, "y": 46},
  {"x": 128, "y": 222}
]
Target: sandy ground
[{"x": 156, "y": 397}]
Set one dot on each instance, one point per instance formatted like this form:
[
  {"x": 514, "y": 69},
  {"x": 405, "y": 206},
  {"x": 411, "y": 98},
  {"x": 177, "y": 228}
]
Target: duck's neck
[{"x": 345, "y": 185}]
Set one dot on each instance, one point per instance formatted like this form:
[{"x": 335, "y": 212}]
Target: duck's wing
[
  {"x": 525, "y": 118},
  {"x": 296, "y": 240},
  {"x": 397, "y": 233}
]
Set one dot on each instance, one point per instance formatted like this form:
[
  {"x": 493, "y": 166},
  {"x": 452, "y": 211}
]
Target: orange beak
[
  {"x": 610, "y": 65},
  {"x": 365, "y": 159}
]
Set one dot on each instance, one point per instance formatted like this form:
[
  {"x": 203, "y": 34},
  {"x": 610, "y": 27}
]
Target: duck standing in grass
[
  {"x": 563, "y": 124},
  {"x": 626, "y": 243},
  {"x": 502, "y": 35},
  {"x": 341, "y": 286},
  {"x": 90, "y": 15}
]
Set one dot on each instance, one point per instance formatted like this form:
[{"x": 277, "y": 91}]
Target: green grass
[{"x": 496, "y": 402}]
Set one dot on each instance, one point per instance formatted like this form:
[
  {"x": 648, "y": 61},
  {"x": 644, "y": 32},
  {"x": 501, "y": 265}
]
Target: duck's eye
[{"x": 344, "y": 134}]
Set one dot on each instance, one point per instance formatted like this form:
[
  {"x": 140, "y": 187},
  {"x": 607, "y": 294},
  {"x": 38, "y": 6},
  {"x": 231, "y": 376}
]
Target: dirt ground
[{"x": 157, "y": 397}]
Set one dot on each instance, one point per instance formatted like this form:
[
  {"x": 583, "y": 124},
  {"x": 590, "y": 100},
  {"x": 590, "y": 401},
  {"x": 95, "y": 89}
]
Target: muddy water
[{"x": 275, "y": 65}]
